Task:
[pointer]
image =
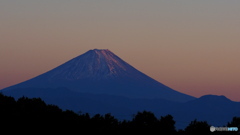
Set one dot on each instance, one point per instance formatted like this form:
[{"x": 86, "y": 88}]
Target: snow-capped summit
[
  {"x": 100, "y": 71},
  {"x": 94, "y": 65}
]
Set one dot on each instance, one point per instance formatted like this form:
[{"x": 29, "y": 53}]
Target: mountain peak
[
  {"x": 97, "y": 50},
  {"x": 100, "y": 51},
  {"x": 94, "y": 64},
  {"x": 214, "y": 98},
  {"x": 113, "y": 63}
]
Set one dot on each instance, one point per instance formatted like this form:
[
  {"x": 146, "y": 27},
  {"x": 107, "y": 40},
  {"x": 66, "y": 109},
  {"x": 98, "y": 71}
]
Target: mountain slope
[{"x": 103, "y": 72}]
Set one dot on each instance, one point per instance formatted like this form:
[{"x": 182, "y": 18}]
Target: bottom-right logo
[{"x": 213, "y": 129}]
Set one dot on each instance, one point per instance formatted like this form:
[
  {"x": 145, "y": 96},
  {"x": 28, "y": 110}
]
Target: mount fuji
[{"x": 103, "y": 72}]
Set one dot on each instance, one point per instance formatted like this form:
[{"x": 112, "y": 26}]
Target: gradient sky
[{"x": 192, "y": 46}]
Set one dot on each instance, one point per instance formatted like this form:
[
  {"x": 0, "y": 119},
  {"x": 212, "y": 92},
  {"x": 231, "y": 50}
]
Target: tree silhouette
[
  {"x": 167, "y": 125},
  {"x": 145, "y": 122},
  {"x": 198, "y": 127},
  {"x": 8, "y": 111}
]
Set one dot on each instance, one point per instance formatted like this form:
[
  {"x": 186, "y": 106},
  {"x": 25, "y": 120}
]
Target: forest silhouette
[{"x": 33, "y": 115}]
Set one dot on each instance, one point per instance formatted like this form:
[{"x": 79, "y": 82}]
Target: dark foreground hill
[
  {"x": 34, "y": 116},
  {"x": 216, "y": 110}
]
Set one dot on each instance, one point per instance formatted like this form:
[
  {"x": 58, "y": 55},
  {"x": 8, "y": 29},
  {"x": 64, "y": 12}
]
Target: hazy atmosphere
[{"x": 190, "y": 46}]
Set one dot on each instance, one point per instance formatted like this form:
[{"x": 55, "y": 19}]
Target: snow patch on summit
[{"x": 110, "y": 59}]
